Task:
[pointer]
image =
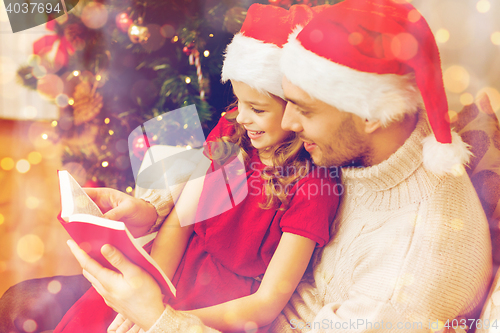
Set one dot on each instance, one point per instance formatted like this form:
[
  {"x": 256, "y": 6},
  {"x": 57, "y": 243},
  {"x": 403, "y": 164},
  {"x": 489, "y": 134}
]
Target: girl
[{"x": 240, "y": 267}]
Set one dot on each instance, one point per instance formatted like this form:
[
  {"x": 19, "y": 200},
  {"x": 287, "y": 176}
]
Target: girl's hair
[{"x": 290, "y": 162}]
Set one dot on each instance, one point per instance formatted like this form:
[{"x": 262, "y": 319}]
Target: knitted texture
[{"x": 408, "y": 248}]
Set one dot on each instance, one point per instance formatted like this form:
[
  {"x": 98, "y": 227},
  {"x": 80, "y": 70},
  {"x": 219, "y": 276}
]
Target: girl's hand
[
  {"x": 137, "y": 214},
  {"x": 123, "y": 325},
  {"x": 131, "y": 291}
]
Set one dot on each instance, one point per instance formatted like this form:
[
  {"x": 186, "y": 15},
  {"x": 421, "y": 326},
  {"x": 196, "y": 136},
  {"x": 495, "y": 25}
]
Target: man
[{"x": 410, "y": 247}]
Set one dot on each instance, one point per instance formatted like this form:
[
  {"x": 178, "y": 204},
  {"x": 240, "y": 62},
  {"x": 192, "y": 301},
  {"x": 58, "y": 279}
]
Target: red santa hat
[
  {"x": 377, "y": 59},
  {"x": 253, "y": 55}
]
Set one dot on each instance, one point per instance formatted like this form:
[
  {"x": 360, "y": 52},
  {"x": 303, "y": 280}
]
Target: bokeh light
[
  {"x": 76, "y": 73},
  {"x": 7, "y": 163},
  {"x": 483, "y": 6},
  {"x": 442, "y": 36},
  {"x": 34, "y": 157},
  {"x": 188, "y": 80},
  {"x": 62, "y": 100},
  {"x": 495, "y": 38},
  {"x": 32, "y": 202},
  {"x": 466, "y": 99},
  {"x": 456, "y": 79},
  {"x": 45, "y": 136},
  {"x": 54, "y": 287},
  {"x": 404, "y": 46},
  {"x": 128, "y": 189},
  {"x": 206, "y": 53},
  {"x": 23, "y": 166},
  {"x": 414, "y": 16},
  {"x": 50, "y": 86},
  {"x": 30, "y": 248},
  {"x": 494, "y": 96},
  {"x": 94, "y": 15},
  {"x": 53, "y": 123},
  {"x": 105, "y": 164},
  {"x": 167, "y": 31},
  {"x": 30, "y": 326},
  {"x": 451, "y": 116}
]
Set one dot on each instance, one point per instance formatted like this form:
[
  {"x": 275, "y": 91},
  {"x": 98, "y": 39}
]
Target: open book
[{"x": 83, "y": 221}]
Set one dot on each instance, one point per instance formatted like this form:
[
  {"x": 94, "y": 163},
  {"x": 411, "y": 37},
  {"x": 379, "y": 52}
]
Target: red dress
[{"x": 228, "y": 253}]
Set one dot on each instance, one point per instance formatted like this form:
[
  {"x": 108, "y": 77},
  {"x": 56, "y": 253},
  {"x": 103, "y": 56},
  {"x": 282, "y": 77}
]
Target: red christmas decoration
[
  {"x": 44, "y": 46},
  {"x": 123, "y": 21}
]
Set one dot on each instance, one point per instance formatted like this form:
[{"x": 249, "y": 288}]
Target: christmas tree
[{"x": 110, "y": 66}]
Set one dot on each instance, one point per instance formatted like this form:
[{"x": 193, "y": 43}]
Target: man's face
[{"x": 332, "y": 137}]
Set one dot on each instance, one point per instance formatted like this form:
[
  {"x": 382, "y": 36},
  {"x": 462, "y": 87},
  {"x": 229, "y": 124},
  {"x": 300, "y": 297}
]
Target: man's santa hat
[
  {"x": 378, "y": 60},
  {"x": 253, "y": 55}
]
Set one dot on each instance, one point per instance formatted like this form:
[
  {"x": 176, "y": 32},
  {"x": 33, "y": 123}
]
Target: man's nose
[{"x": 290, "y": 121}]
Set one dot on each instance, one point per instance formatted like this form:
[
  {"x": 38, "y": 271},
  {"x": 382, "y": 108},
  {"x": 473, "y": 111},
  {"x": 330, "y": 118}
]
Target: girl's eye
[{"x": 256, "y": 110}]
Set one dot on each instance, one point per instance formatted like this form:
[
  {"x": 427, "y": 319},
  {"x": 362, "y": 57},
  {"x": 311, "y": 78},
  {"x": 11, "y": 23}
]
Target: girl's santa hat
[
  {"x": 378, "y": 60},
  {"x": 253, "y": 55}
]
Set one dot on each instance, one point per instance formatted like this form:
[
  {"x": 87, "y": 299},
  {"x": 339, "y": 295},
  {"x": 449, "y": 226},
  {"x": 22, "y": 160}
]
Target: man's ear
[{"x": 371, "y": 126}]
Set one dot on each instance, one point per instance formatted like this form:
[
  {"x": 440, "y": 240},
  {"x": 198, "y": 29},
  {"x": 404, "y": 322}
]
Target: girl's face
[{"x": 261, "y": 116}]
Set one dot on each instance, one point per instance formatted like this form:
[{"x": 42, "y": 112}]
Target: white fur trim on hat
[
  {"x": 443, "y": 158},
  {"x": 255, "y": 63},
  {"x": 372, "y": 96}
]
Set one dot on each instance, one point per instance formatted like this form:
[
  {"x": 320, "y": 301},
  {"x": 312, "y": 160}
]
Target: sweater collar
[{"x": 404, "y": 166}]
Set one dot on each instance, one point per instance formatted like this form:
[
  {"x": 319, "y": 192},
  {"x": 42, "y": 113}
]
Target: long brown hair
[{"x": 290, "y": 162}]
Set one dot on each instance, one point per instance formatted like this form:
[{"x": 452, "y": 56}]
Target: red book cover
[{"x": 91, "y": 231}]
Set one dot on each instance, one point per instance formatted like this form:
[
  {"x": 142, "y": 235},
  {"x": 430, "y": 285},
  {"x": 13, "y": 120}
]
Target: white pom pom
[{"x": 445, "y": 158}]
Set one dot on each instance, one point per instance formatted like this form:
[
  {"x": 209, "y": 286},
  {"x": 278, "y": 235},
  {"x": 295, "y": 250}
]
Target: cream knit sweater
[{"x": 409, "y": 250}]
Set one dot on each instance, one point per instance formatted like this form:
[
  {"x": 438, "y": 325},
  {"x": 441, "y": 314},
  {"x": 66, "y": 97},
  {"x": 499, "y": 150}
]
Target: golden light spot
[
  {"x": 107, "y": 120},
  {"x": 466, "y": 99},
  {"x": 211, "y": 35},
  {"x": 111, "y": 132},
  {"x": 188, "y": 147},
  {"x": 136, "y": 282},
  {"x": 62, "y": 100},
  {"x": 129, "y": 189},
  {"x": 223, "y": 114},
  {"x": 53, "y": 123},
  {"x": 76, "y": 73},
  {"x": 250, "y": 327},
  {"x": 7, "y": 163},
  {"x": 206, "y": 53},
  {"x": 105, "y": 164},
  {"x": 483, "y": 6},
  {"x": 494, "y": 96},
  {"x": 195, "y": 329},
  {"x": 30, "y": 248},
  {"x": 457, "y": 224},
  {"x": 414, "y": 16},
  {"x": 29, "y": 325},
  {"x": 71, "y": 101},
  {"x": 284, "y": 287},
  {"x": 451, "y": 116},
  {"x": 188, "y": 80},
  {"x": 404, "y": 46},
  {"x": 34, "y": 157},
  {"x": 185, "y": 126},
  {"x": 442, "y": 36},
  {"x": 98, "y": 77},
  {"x": 437, "y": 326},
  {"x": 175, "y": 39},
  {"x": 458, "y": 170},
  {"x": 85, "y": 246},
  {"x": 54, "y": 287},
  {"x": 159, "y": 118},
  {"x": 32, "y": 202},
  {"x": 2, "y": 219},
  {"x": 495, "y": 38},
  {"x": 23, "y": 166},
  {"x": 456, "y": 79},
  {"x": 45, "y": 136},
  {"x": 155, "y": 137},
  {"x": 355, "y": 38},
  {"x": 230, "y": 317}
]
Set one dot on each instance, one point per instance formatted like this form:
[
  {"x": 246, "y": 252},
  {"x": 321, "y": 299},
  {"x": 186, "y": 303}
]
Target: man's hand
[
  {"x": 137, "y": 214},
  {"x": 131, "y": 292}
]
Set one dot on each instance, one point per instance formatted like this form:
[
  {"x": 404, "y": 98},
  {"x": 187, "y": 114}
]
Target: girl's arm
[
  {"x": 172, "y": 239},
  {"x": 284, "y": 273}
]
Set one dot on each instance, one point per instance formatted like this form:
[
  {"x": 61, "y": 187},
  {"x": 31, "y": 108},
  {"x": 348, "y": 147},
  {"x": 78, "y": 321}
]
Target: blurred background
[{"x": 72, "y": 90}]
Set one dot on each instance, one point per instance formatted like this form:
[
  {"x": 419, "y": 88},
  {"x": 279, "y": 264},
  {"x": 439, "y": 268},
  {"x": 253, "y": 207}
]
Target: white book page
[{"x": 74, "y": 200}]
